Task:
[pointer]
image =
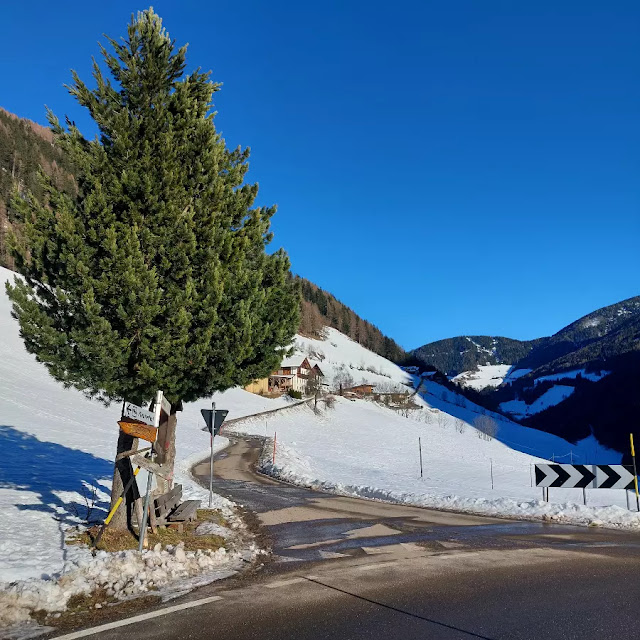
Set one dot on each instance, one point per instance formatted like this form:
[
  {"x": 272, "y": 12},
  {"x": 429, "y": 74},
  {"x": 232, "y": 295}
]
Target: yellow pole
[
  {"x": 117, "y": 504},
  {"x": 635, "y": 472}
]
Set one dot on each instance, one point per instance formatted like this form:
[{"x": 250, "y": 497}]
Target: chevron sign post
[{"x": 585, "y": 476}]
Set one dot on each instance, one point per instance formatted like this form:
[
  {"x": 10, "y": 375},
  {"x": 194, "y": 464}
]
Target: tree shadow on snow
[{"x": 46, "y": 469}]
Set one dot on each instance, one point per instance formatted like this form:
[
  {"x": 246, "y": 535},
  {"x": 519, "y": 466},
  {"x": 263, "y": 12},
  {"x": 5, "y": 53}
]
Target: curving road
[{"x": 348, "y": 568}]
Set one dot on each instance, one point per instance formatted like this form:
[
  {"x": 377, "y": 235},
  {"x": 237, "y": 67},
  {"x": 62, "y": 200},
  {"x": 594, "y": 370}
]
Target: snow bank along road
[{"x": 349, "y": 568}]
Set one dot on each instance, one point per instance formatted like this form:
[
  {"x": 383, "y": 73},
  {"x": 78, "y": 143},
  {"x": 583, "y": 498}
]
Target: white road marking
[
  {"x": 377, "y": 565},
  {"x": 139, "y": 618},
  {"x": 283, "y": 583}
]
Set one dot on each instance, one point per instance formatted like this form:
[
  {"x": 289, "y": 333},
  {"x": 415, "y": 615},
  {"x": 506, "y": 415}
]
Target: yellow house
[{"x": 261, "y": 386}]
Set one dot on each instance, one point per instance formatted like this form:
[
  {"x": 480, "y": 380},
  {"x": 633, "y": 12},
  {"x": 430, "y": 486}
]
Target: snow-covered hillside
[
  {"x": 338, "y": 355},
  {"x": 490, "y": 375}
]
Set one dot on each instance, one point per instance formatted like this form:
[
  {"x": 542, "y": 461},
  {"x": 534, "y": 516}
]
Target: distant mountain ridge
[
  {"x": 465, "y": 353},
  {"x": 604, "y": 333},
  {"x": 583, "y": 379}
]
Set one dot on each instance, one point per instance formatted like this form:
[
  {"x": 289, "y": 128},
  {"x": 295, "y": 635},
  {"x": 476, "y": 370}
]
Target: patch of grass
[
  {"x": 113, "y": 540},
  {"x": 82, "y": 610}
]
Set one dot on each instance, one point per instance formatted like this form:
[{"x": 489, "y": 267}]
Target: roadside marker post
[
  {"x": 491, "y": 467},
  {"x": 420, "y": 449},
  {"x": 213, "y": 435},
  {"x": 275, "y": 436},
  {"x": 635, "y": 472}
]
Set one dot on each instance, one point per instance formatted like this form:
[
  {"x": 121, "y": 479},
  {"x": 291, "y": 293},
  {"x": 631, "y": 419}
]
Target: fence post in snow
[
  {"x": 420, "y": 450},
  {"x": 531, "y": 474}
]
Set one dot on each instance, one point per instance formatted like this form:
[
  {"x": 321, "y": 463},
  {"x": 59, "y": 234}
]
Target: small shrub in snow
[
  {"x": 487, "y": 427},
  {"x": 297, "y": 395},
  {"x": 460, "y": 425}
]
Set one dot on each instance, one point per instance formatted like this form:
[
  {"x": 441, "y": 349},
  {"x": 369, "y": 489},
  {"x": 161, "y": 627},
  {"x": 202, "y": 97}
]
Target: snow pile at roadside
[{"x": 121, "y": 575}]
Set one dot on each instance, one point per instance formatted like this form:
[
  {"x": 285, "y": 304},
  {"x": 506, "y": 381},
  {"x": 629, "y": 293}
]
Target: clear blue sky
[{"x": 441, "y": 167}]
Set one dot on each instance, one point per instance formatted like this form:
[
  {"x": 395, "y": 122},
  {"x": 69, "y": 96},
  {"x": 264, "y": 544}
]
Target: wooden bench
[{"x": 168, "y": 508}]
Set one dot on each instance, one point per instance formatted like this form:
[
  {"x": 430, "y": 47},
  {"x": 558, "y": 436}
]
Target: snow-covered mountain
[{"x": 577, "y": 381}]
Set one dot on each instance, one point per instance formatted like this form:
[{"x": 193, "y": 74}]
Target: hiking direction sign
[
  {"x": 213, "y": 419},
  {"x": 138, "y": 413},
  {"x": 585, "y": 476}
]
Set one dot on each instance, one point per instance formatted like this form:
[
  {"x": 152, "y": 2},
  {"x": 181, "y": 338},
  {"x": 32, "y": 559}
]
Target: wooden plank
[
  {"x": 138, "y": 430},
  {"x": 131, "y": 452},
  {"x": 147, "y": 464},
  {"x": 138, "y": 413},
  {"x": 186, "y": 511}
]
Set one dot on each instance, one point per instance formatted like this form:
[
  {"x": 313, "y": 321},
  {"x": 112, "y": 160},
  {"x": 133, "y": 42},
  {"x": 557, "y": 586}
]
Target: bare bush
[
  {"x": 329, "y": 401},
  {"x": 90, "y": 498},
  {"x": 487, "y": 427},
  {"x": 441, "y": 419},
  {"x": 460, "y": 425}
]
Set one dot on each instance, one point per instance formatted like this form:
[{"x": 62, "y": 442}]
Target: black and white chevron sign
[{"x": 590, "y": 476}]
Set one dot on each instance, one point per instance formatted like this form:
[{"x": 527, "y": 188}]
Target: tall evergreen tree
[{"x": 155, "y": 275}]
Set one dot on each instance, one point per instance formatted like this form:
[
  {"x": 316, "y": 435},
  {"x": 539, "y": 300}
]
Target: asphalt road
[{"x": 347, "y": 568}]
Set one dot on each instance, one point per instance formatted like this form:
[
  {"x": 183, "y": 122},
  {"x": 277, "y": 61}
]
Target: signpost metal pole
[
  {"x": 420, "y": 448},
  {"x": 145, "y": 513},
  {"x": 213, "y": 418},
  {"x": 491, "y": 466},
  {"x": 635, "y": 472}
]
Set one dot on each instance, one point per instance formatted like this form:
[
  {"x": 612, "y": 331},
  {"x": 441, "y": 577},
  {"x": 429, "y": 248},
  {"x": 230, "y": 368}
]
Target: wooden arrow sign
[
  {"x": 593, "y": 476},
  {"x": 145, "y": 463},
  {"x": 139, "y": 430}
]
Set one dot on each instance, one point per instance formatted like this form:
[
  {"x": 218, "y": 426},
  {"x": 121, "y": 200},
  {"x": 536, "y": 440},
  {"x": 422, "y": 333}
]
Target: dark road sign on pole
[
  {"x": 213, "y": 419},
  {"x": 589, "y": 476}
]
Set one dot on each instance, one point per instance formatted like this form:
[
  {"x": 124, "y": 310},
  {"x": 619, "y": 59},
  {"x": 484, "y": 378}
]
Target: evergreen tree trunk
[
  {"x": 166, "y": 446},
  {"x": 122, "y": 474}
]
